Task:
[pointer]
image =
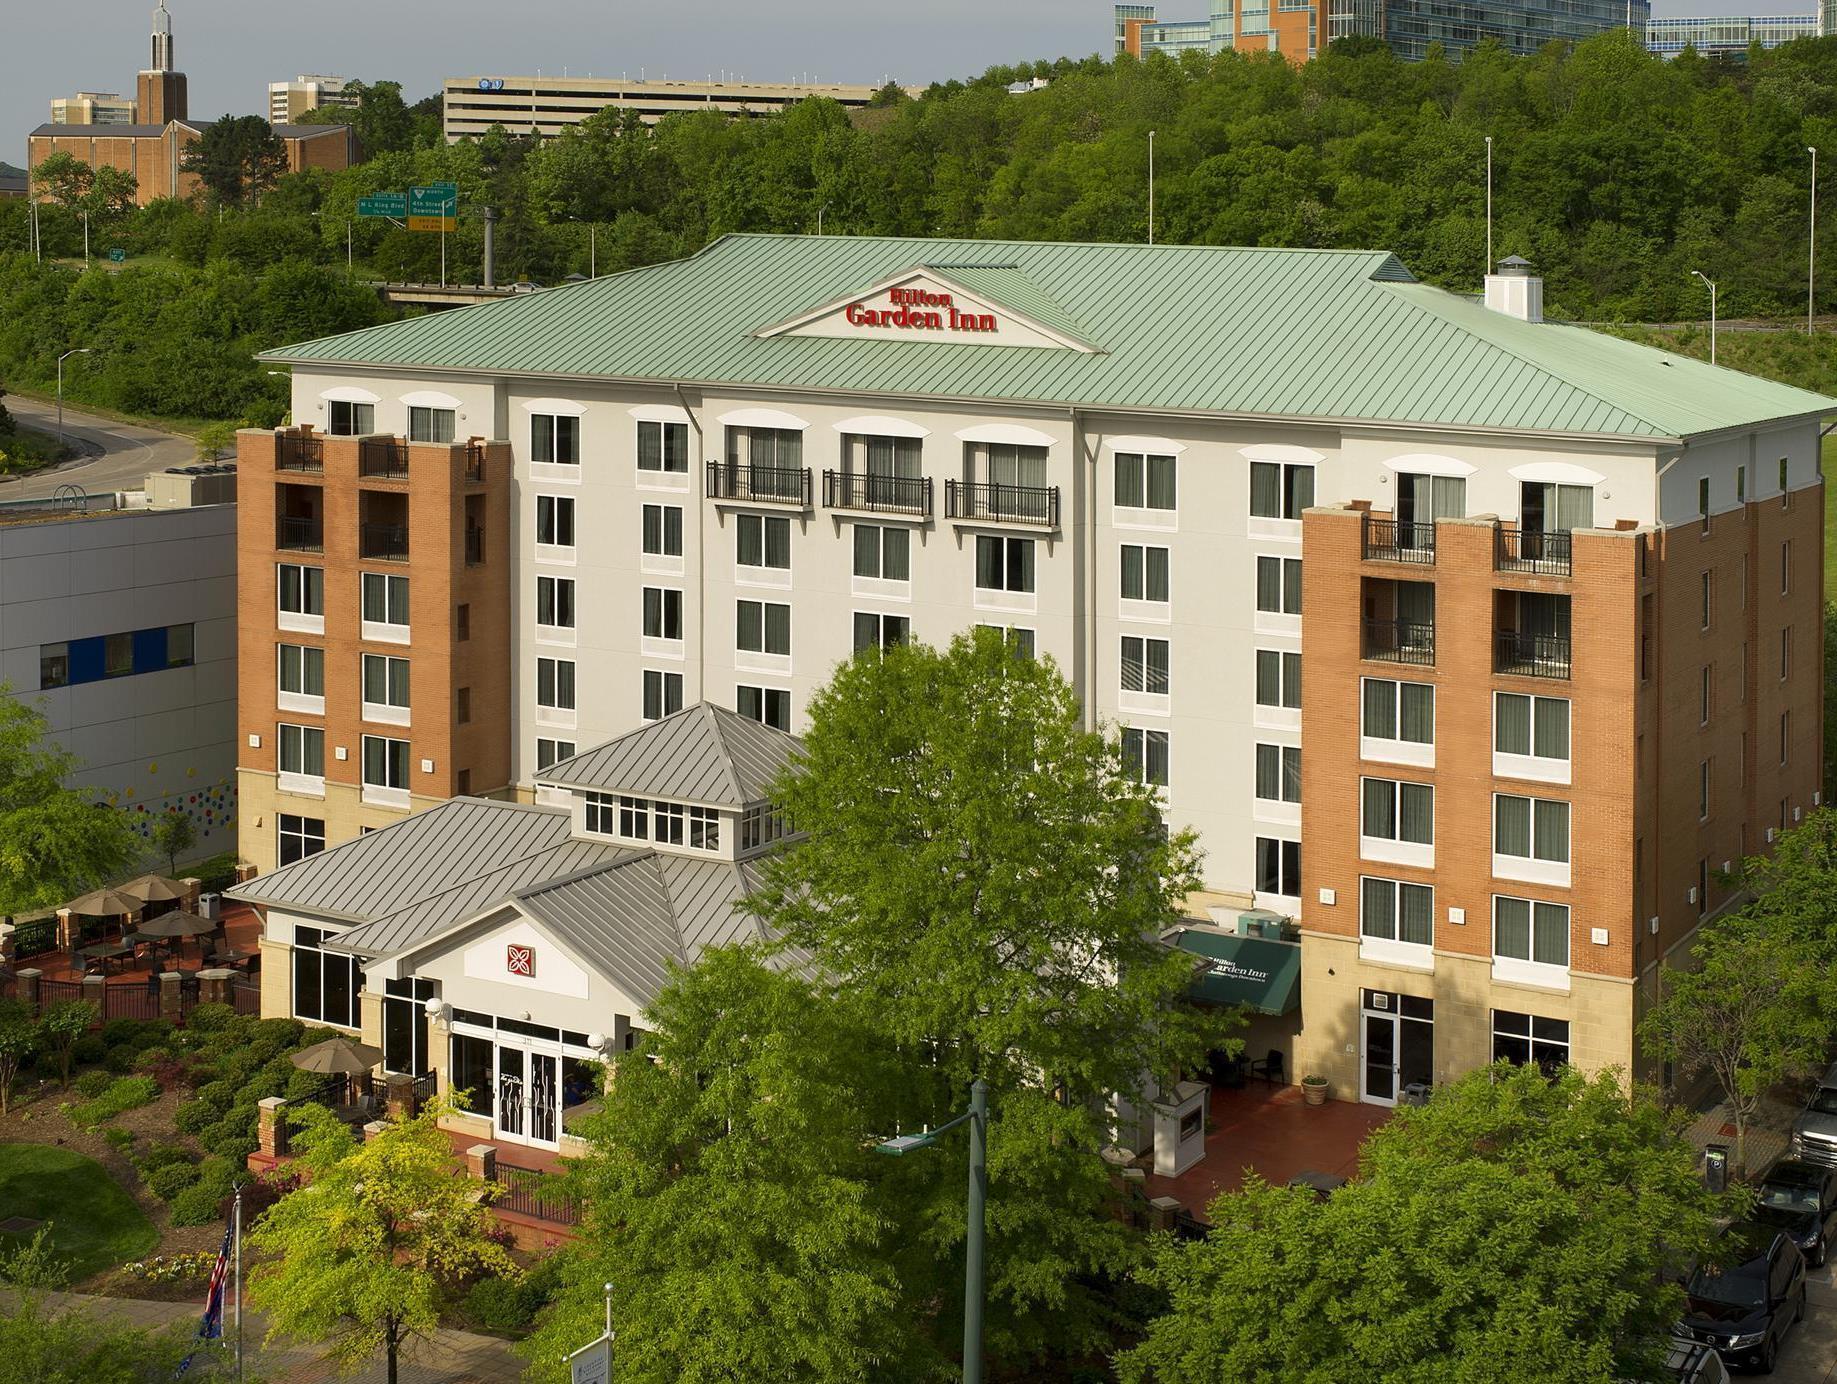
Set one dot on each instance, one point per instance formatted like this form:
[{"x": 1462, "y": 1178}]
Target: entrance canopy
[{"x": 1244, "y": 970}]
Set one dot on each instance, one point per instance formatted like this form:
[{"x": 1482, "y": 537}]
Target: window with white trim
[
  {"x": 883, "y": 552},
  {"x": 607, "y": 816},
  {"x": 1144, "y": 481},
  {"x": 302, "y": 670},
  {"x": 1393, "y": 910},
  {"x": 554, "y": 439},
  {"x": 1279, "y": 773},
  {"x": 555, "y": 521},
  {"x": 768, "y": 705},
  {"x": 662, "y": 693},
  {"x": 549, "y": 753},
  {"x": 1531, "y": 828},
  {"x": 1279, "y": 585},
  {"x": 1530, "y": 725},
  {"x": 385, "y": 681},
  {"x": 663, "y": 447},
  {"x": 1527, "y": 1040},
  {"x": 762, "y": 627},
  {"x": 1531, "y": 930},
  {"x": 301, "y": 589},
  {"x": 1004, "y": 564},
  {"x": 1278, "y": 679},
  {"x": 555, "y": 683},
  {"x": 385, "y": 762},
  {"x": 663, "y": 530},
  {"x": 1395, "y": 810},
  {"x": 299, "y": 837},
  {"x": 1280, "y": 490},
  {"x": 555, "y": 602},
  {"x": 1145, "y": 756},
  {"x": 662, "y": 612},
  {"x": 431, "y": 424},
  {"x": 347, "y": 418},
  {"x": 1403, "y": 711},
  {"x": 1144, "y": 573},
  {"x": 874, "y": 630},
  {"x": 385, "y": 598},
  {"x": 301, "y": 750},
  {"x": 1278, "y": 866},
  {"x": 325, "y": 984},
  {"x": 1021, "y": 641},
  {"x": 1144, "y": 665},
  {"x": 763, "y": 540}
]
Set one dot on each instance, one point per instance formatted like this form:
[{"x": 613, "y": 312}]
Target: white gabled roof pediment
[{"x": 932, "y": 305}]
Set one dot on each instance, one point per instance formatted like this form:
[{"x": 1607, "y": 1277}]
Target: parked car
[
  {"x": 1746, "y": 1296},
  {"x": 1814, "y": 1133},
  {"x": 1800, "y": 1198},
  {"x": 1694, "y": 1363}
]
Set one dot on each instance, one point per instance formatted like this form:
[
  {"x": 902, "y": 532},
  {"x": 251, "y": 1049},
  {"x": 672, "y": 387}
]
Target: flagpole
[{"x": 238, "y": 1215}]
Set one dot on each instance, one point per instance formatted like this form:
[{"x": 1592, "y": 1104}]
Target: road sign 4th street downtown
[{"x": 432, "y": 208}]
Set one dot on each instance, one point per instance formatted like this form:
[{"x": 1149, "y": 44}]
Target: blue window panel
[
  {"x": 85, "y": 660},
  {"x": 150, "y": 650}
]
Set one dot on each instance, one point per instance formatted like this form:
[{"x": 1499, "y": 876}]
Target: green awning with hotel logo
[{"x": 1263, "y": 974}]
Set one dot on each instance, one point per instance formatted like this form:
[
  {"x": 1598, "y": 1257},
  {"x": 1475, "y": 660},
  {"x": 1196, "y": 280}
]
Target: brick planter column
[
  {"x": 193, "y": 886},
  {"x": 482, "y": 1163},
  {"x": 93, "y": 988},
  {"x": 1161, "y": 1212},
  {"x": 374, "y": 1129},
  {"x": 214, "y": 986},
  {"x": 169, "y": 1003},
  {"x": 271, "y": 1131},
  {"x": 28, "y": 987},
  {"x": 244, "y": 873}
]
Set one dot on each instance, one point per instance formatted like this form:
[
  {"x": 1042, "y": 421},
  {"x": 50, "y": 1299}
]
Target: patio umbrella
[
  {"x": 105, "y": 903},
  {"x": 154, "y": 889},
  {"x": 177, "y": 923},
  {"x": 339, "y": 1055}
]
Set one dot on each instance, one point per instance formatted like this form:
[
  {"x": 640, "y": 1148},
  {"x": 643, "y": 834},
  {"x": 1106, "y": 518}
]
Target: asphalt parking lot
[{"x": 1810, "y": 1353}]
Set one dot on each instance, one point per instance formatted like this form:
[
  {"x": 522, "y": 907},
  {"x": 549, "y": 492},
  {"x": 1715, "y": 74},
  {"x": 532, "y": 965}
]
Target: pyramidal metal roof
[
  {"x": 701, "y": 754},
  {"x": 1332, "y": 335}
]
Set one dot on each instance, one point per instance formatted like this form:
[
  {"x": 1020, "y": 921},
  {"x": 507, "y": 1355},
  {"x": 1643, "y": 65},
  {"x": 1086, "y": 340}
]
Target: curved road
[{"x": 129, "y": 452}]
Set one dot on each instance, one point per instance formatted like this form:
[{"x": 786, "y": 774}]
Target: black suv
[
  {"x": 1746, "y": 1297},
  {"x": 1800, "y": 1198}
]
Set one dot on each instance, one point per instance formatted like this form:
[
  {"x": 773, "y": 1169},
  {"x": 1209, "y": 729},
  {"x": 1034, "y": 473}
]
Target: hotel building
[{"x": 1556, "y": 595}]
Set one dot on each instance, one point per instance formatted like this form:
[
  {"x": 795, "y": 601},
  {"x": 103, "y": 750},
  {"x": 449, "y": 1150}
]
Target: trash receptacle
[{"x": 1716, "y": 1167}]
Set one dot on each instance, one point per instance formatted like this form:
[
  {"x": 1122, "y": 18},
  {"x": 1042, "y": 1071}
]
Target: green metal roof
[{"x": 1340, "y": 335}]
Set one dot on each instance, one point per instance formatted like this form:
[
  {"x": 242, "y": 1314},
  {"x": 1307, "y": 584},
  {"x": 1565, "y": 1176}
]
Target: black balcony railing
[
  {"x": 776, "y": 485},
  {"x": 1531, "y": 655},
  {"x": 299, "y": 452},
  {"x": 1534, "y": 550},
  {"x": 1002, "y": 503},
  {"x": 877, "y": 494},
  {"x": 475, "y": 462},
  {"x": 1399, "y": 641},
  {"x": 382, "y": 457},
  {"x": 530, "y": 1192},
  {"x": 386, "y": 541},
  {"x": 475, "y": 546},
  {"x": 1392, "y": 540},
  {"x": 299, "y": 532}
]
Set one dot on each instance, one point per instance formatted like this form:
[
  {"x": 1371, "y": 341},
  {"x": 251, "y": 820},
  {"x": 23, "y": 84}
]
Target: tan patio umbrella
[
  {"x": 338, "y": 1055},
  {"x": 154, "y": 889},
  {"x": 177, "y": 923},
  {"x": 105, "y": 903}
]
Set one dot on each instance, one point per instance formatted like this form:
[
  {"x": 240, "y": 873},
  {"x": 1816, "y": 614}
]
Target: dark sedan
[
  {"x": 1800, "y": 1198},
  {"x": 1745, "y": 1298}
]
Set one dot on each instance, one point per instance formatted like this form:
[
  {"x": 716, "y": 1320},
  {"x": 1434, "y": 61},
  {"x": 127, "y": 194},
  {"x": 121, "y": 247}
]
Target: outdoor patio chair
[{"x": 1271, "y": 1068}]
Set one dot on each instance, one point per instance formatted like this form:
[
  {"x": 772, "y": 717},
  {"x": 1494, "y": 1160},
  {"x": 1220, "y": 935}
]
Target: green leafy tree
[
  {"x": 64, "y": 178},
  {"x": 730, "y": 1196},
  {"x": 1796, "y": 883},
  {"x": 237, "y": 158},
  {"x": 18, "y": 1041},
  {"x": 214, "y": 439},
  {"x": 1513, "y": 1228},
  {"x": 384, "y": 125},
  {"x": 363, "y": 1257},
  {"x": 63, "y": 1024},
  {"x": 54, "y": 841},
  {"x": 174, "y": 833},
  {"x": 1753, "y": 1010},
  {"x": 47, "y": 1340}
]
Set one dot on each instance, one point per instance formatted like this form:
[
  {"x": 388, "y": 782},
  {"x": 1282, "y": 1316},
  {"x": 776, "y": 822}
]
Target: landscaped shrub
[
  {"x": 120, "y": 1140},
  {"x": 92, "y": 1084},
  {"x": 217, "y": 1095},
  {"x": 119, "y": 1060},
  {"x": 202, "y": 1202},
  {"x": 168, "y": 1181},
  {"x": 116, "y": 1032},
  {"x": 154, "y": 1059},
  {"x": 209, "y": 1018},
  {"x": 89, "y": 1049},
  {"x": 233, "y": 1137},
  {"x": 123, "y": 1094},
  {"x": 194, "y": 1116},
  {"x": 163, "y": 1155},
  {"x": 283, "y": 1033},
  {"x": 500, "y": 1304}
]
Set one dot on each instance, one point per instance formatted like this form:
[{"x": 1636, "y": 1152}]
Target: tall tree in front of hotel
[
  {"x": 237, "y": 158},
  {"x": 362, "y": 1257},
  {"x": 1513, "y": 1228},
  {"x": 55, "y": 842},
  {"x": 984, "y": 877}
]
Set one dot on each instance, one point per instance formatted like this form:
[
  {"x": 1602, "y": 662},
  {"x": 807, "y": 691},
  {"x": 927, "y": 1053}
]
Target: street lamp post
[
  {"x": 1811, "y": 254},
  {"x": 1151, "y": 187},
  {"x": 1489, "y": 204},
  {"x": 977, "y": 1117},
  {"x": 74, "y": 351},
  {"x": 1712, "y": 313},
  {"x": 86, "y": 240}
]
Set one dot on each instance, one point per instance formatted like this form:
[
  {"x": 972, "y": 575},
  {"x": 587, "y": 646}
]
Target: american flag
[{"x": 210, "y": 1328}]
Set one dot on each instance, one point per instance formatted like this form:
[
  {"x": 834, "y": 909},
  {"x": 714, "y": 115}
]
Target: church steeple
[{"x": 162, "y": 39}]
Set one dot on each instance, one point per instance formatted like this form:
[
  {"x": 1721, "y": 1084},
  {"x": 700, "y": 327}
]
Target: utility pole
[
  {"x": 1151, "y": 187},
  {"x": 973, "y": 1248},
  {"x": 1489, "y": 204},
  {"x": 74, "y": 351},
  {"x": 1811, "y": 262},
  {"x": 1712, "y": 313}
]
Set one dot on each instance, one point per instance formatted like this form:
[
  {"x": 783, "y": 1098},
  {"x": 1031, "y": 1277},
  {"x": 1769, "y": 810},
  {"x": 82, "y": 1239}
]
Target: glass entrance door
[
  {"x": 543, "y": 1089},
  {"x": 1380, "y": 1059},
  {"x": 529, "y": 1096},
  {"x": 510, "y": 1105}
]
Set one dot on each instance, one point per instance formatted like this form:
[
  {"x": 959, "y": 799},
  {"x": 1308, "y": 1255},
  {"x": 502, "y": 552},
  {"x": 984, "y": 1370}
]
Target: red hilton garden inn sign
[{"x": 919, "y": 309}]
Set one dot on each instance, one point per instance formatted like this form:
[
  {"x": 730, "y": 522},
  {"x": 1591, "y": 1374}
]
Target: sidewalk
[{"x": 446, "y": 1357}]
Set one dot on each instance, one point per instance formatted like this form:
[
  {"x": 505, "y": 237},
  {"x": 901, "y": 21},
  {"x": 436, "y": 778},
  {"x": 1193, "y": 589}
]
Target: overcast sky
[{"x": 231, "y": 49}]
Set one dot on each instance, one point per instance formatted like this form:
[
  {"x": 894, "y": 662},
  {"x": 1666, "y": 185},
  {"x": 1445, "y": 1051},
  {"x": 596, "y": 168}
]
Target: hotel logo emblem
[{"x": 520, "y": 961}]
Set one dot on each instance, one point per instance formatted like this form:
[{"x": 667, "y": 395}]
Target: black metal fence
[
  {"x": 383, "y": 458},
  {"x": 1533, "y": 550},
  {"x": 298, "y": 452},
  {"x": 130, "y": 1001},
  {"x": 386, "y": 541},
  {"x": 245, "y": 998},
  {"x": 742, "y": 480},
  {"x": 1392, "y": 540},
  {"x": 1007, "y": 504},
  {"x": 877, "y": 494},
  {"x": 52, "y": 992},
  {"x": 299, "y": 533},
  {"x": 529, "y": 1192},
  {"x": 1532, "y": 655},
  {"x": 1399, "y": 641},
  {"x": 35, "y": 937}
]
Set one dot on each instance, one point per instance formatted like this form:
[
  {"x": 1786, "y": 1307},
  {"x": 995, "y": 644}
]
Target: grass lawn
[{"x": 94, "y": 1224}]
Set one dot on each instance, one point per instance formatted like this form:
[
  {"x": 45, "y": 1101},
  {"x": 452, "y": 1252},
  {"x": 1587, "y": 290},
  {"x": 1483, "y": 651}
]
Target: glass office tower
[{"x": 1521, "y": 26}]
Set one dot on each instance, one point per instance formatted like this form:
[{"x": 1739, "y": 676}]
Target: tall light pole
[
  {"x": 593, "y": 246},
  {"x": 1712, "y": 313},
  {"x": 86, "y": 239},
  {"x": 75, "y": 351},
  {"x": 1151, "y": 187},
  {"x": 1489, "y": 204},
  {"x": 977, "y": 1117},
  {"x": 1811, "y": 254}
]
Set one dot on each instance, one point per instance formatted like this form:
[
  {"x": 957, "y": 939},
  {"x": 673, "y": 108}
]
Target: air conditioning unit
[
  {"x": 1817, "y": 798},
  {"x": 1771, "y": 833},
  {"x": 1260, "y": 922},
  {"x": 1693, "y": 894},
  {"x": 1797, "y": 813}
]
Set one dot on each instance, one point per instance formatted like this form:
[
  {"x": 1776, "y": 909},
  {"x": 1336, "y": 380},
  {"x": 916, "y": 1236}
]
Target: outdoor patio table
[{"x": 105, "y": 952}]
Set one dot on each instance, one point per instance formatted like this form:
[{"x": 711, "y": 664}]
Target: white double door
[{"x": 528, "y": 1105}]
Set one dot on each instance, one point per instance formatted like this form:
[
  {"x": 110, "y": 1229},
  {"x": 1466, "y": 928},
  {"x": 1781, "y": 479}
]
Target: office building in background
[
  {"x": 92, "y": 108},
  {"x": 288, "y": 101}
]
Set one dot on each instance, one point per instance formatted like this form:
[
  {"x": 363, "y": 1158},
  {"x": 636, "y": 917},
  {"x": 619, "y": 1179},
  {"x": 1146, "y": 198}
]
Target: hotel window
[
  {"x": 1703, "y": 790},
  {"x": 1707, "y": 580},
  {"x": 1703, "y": 502},
  {"x": 462, "y": 706},
  {"x": 1021, "y": 641},
  {"x": 1786, "y": 567},
  {"x": 1278, "y": 867},
  {"x": 1144, "y": 665},
  {"x": 1390, "y": 810},
  {"x": 876, "y": 631},
  {"x": 1398, "y": 711},
  {"x": 302, "y": 750},
  {"x": 662, "y": 530},
  {"x": 663, "y": 447},
  {"x": 630, "y": 821},
  {"x": 667, "y": 820},
  {"x": 549, "y": 753},
  {"x": 1785, "y": 734},
  {"x": 471, "y": 1070},
  {"x": 555, "y": 602},
  {"x": 1278, "y": 679},
  {"x": 1534, "y": 726},
  {"x": 1144, "y": 482},
  {"x": 1006, "y": 464},
  {"x": 1279, "y": 773},
  {"x": 1526, "y": 930},
  {"x": 762, "y": 627},
  {"x": 1785, "y": 653},
  {"x": 180, "y": 641},
  {"x": 1144, "y": 573},
  {"x": 763, "y": 540},
  {"x": 462, "y": 622},
  {"x": 385, "y": 599},
  {"x": 555, "y": 521},
  {"x": 884, "y": 553},
  {"x": 1531, "y": 828},
  {"x": 1527, "y": 1040},
  {"x": 325, "y": 984},
  {"x": 1145, "y": 756},
  {"x": 302, "y": 671},
  {"x": 345, "y": 419},
  {"x": 1393, "y": 911},
  {"x": 430, "y": 424},
  {"x": 1004, "y": 564},
  {"x": 554, "y": 439},
  {"x": 117, "y": 655},
  {"x": 765, "y": 447},
  {"x": 1280, "y": 490},
  {"x": 1785, "y": 494},
  {"x": 662, "y": 612},
  {"x": 1279, "y": 585},
  {"x": 704, "y": 828},
  {"x": 1741, "y": 484},
  {"x": 759, "y": 827},
  {"x": 662, "y": 694},
  {"x": 386, "y": 681},
  {"x": 405, "y": 1026},
  {"x": 892, "y": 466},
  {"x": 300, "y": 837},
  {"x": 1705, "y": 686},
  {"x": 768, "y": 705},
  {"x": 385, "y": 762},
  {"x": 555, "y": 683},
  {"x": 53, "y": 665}
]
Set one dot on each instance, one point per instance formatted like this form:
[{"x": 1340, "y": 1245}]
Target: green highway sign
[
  {"x": 384, "y": 204},
  {"x": 432, "y": 208},
  {"x": 118, "y": 256}
]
